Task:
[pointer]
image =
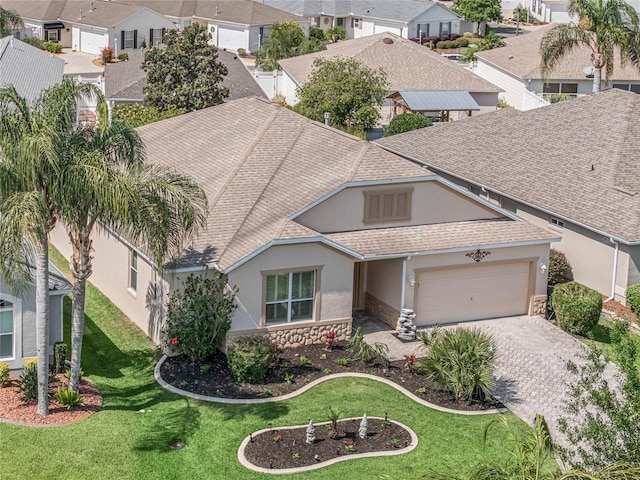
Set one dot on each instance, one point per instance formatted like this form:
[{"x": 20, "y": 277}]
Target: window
[
  {"x": 128, "y": 39},
  {"x": 387, "y": 205},
  {"x": 290, "y": 296},
  {"x": 556, "y": 223},
  {"x": 340, "y": 22},
  {"x": 52, "y": 35},
  {"x": 423, "y": 30},
  {"x": 133, "y": 272},
  {"x": 445, "y": 28},
  {"x": 155, "y": 36},
  {"x": 570, "y": 88},
  {"x": 6, "y": 329}
]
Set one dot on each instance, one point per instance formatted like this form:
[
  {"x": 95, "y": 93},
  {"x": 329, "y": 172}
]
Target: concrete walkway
[{"x": 530, "y": 372}]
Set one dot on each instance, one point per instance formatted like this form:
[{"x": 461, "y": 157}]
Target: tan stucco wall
[
  {"x": 335, "y": 276},
  {"x": 431, "y": 202},
  {"x": 384, "y": 281}
]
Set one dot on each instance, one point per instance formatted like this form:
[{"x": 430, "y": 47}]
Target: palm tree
[
  {"x": 107, "y": 182},
  {"x": 9, "y": 21},
  {"x": 32, "y": 155},
  {"x": 603, "y": 26}
]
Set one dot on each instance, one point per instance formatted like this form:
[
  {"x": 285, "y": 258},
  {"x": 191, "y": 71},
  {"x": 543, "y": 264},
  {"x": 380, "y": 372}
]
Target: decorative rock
[
  {"x": 406, "y": 328},
  {"x": 311, "y": 433},
  {"x": 364, "y": 424}
]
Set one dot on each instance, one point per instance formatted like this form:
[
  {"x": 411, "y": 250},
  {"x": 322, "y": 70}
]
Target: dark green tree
[
  {"x": 348, "y": 90},
  {"x": 407, "y": 122},
  {"x": 185, "y": 74},
  {"x": 9, "y": 21},
  {"x": 479, "y": 11},
  {"x": 285, "y": 40}
]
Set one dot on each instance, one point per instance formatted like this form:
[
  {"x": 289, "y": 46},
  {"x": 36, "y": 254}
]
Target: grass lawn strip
[{"x": 131, "y": 436}]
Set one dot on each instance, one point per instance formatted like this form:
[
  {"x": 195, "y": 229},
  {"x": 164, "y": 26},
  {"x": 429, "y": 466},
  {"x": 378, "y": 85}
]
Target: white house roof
[
  {"x": 579, "y": 164},
  {"x": 29, "y": 69},
  {"x": 409, "y": 66},
  {"x": 521, "y": 57},
  {"x": 436, "y": 100}
]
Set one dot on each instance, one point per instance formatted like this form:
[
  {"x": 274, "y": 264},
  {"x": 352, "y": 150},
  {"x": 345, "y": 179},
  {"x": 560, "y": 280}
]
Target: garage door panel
[
  {"x": 91, "y": 42},
  {"x": 230, "y": 38},
  {"x": 471, "y": 293},
  {"x": 385, "y": 27}
]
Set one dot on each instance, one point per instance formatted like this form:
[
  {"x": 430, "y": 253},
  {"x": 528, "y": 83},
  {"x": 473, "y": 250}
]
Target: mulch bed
[
  {"x": 216, "y": 380},
  {"x": 292, "y": 450},
  {"x": 15, "y": 410}
]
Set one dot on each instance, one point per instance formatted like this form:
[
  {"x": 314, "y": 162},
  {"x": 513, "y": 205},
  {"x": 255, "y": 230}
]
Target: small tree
[
  {"x": 9, "y": 21},
  {"x": 185, "y": 74},
  {"x": 407, "y": 122},
  {"x": 348, "y": 90},
  {"x": 479, "y": 11},
  {"x": 285, "y": 40},
  {"x": 335, "y": 33},
  {"x": 559, "y": 268},
  {"x": 199, "y": 318}
]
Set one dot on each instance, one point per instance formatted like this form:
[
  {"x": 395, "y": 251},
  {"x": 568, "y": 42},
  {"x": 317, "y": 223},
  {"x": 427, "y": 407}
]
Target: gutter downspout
[
  {"x": 615, "y": 270},
  {"x": 404, "y": 280}
]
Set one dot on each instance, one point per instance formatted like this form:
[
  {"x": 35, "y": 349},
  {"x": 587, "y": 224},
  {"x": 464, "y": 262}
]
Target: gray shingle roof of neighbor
[
  {"x": 577, "y": 160},
  {"x": 521, "y": 57},
  {"x": 399, "y": 10},
  {"x": 29, "y": 69},
  {"x": 409, "y": 66},
  {"x": 125, "y": 81},
  {"x": 260, "y": 164},
  {"x": 57, "y": 281},
  {"x": 425, "y": 100}
]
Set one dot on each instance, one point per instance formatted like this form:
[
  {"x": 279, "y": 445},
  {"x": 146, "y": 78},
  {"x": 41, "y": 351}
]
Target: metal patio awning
[
  {"x": 436, "y": 100},
  {"x": 53, "y": 26}
]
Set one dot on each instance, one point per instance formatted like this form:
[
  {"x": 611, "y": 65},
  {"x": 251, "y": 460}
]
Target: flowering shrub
[
  {"x": 350, "y": 446},
  {"x": 330, "y": 339},
  {"x": 410, "y": 363},
  {"x": 277, "y": 438},
  {"x": 199, "y": 319},
  {"x": 107, "y": 54}
]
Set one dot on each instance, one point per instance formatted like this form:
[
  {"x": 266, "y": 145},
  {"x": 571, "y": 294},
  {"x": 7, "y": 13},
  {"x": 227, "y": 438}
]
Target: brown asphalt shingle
[{"x": 576, "y": 159}]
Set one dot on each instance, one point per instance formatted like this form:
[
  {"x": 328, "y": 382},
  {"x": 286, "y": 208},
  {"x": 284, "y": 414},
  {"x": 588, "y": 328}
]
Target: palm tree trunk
[
  {"x": 42, "y": 325},
  {"x": 81, "y": 268},
  {"x": 597, "y": 79}
]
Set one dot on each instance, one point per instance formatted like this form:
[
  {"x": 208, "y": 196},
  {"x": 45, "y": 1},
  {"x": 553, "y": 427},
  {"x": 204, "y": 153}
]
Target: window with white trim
[
  {"x": 128, "y": 39},
  {"x": 290, "y": 296},
  {"x": 556, "y": 223},
  {"x": 6, "y": 329},
  {"x": 387, "y": 205},
  {"x": 133, "y": 271},
  {"x": 445, "y": 28}
]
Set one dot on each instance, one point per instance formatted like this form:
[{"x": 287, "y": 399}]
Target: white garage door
[
  {"x": 230, "y": 38},
  {"x": 386, "y": 27},
  {"x": 471, "y": 293},
  {"x": 91, "y": 41}
]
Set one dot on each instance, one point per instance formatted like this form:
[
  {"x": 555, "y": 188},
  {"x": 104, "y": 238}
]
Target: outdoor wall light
[
  {"x": 543, "y": 268},
  {"x": 412, "y": 279}
]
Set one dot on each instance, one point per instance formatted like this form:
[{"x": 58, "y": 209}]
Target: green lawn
[
  {"x": 601, "y": 337},
  {"x": 120, "y": 442}
]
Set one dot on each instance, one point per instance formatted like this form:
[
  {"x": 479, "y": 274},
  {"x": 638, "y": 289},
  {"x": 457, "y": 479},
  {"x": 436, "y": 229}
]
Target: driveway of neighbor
[{"x": 530, "y": 372}]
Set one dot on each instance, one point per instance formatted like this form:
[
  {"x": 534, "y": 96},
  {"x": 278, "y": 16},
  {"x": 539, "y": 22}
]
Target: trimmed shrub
[
  {"x": 461, "y": 42},
  {"x": 136, "y": 115},
  {"x": 4, "y": 374},
  {"x": 242, "y": 52},
  {"x": 68, "y": 398},
  {"x": 444, "y": 38},
  {"x": 249, "y": 357},
  {"x": 633, "y": 297},
  {"x": 123, "y": 57},
  {"x": 314, "y": 32},
  {"x": 468, "y": 35},
  {"x": 106, "y": 54},
  {"x": 59, "y": 356},
  {"x": 36, "y": 42},
  {"x": 29, "y": 362},
  {"x": 454, "y": 36},
  {"x": 407, "y": 122},
  {"x": 444, "y": 44},
  {"x": 577, "y": 307},
  {"x": 198, "y": 319},
  {"x": 28, "y": 382},
  {"x": 559, "y": 268},
  {"x": 52, "y": 47},
  {"x": 460, "y": 361}
]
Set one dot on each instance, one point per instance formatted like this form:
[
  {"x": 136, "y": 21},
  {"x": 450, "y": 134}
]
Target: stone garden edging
[
  {"x": 303, "y": 389},
  {"x": 343, "y": 458}
]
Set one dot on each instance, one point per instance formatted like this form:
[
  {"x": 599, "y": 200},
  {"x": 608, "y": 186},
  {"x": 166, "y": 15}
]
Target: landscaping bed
[
  {"x": 287, "y": 448},
  {"x": 214, "y": 378}
]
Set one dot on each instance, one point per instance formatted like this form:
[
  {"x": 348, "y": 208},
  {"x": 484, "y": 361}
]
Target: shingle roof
[
  {"x": 409, "y": 66},
  {"x": 57, "y": 280},
  {"x": 440, "y": 236},
  {"x": 126, "y": 80},
  {"x": 576, "y": 159},
  {"x": 399, "y": 10},
  {"x": 29, "y": 69},
  {"x": 260, "y": 163},
  {"x": 521, "y": 57}
]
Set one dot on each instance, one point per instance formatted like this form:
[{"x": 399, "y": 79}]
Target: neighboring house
[
  {"x": 275, "y": 180},
  {"x": 29, "y": 69},
  {"x": 516, "y": 69},
  {"x": 233, "y": 24},
  {"x": 124, "y": 82},
  {"x": 18, "y": 319},
  {"x": 549, "y": 10},
  {"x": 571, "y": 166},
  {"x": 406, "y": 18},
  {"x": 409, "y": 66},
  {"x": 89, "y": 26}
]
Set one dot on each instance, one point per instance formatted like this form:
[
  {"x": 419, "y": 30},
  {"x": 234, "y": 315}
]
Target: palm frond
[{"x": 558, "y": 42}]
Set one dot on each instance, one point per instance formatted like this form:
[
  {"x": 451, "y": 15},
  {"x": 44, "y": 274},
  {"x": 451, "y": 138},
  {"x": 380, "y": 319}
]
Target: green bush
[
  {"x": 68, "y": 398},
  {"x": 335, "y": 33},
  {"x": 123, "y": 57},
  {"x": 445, "y": 44},
  {"x": 52, "y": 47},
  {"x": 633, "y": 297},
  {"x": 242, "y": 52},
  {"x": 59, "y": 356},
  {"x": 249, "y": 357},
  {"x": 577, "y": 307},
  {"x": 317, "y": 33},
  {"x": 4, "y": 374},
  {"x": 407, "y": 122},
  {"x": 135, "y": 115},
  {"x": 36, "y": 42},
  {"x": 461, "y": 42},
  {"x": 460, "y": 361},
  {"x": 559, "y": 268},
  {"x": 28, "y": 382},
  {"x": 199, "y": 318}
]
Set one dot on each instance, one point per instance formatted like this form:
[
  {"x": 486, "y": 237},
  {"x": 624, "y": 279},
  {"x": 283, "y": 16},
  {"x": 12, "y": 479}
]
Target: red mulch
[
  {"x": 620, "y": 311},
  {"x": 14, "y": 410}
]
